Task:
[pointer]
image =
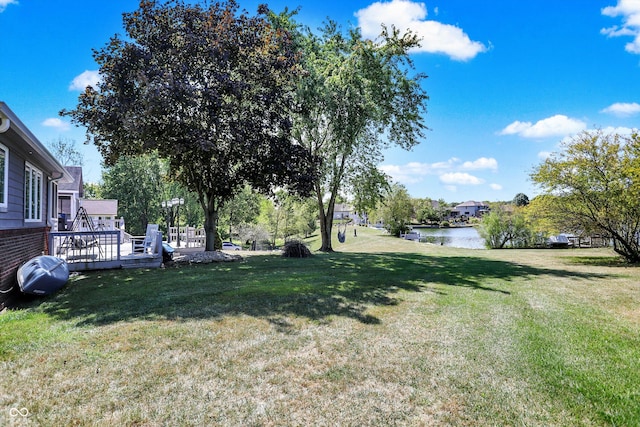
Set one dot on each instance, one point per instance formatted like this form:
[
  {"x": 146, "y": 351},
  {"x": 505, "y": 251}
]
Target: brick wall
[{"x": 16, "y": 248}]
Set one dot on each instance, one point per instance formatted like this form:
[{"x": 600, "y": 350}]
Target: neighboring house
[
  {"x": 103, "y": 213},
  {"x": 29, "y": 179},
  {"x": 342, "y": 211},
  {"x": 69, "y": 195},
  {"x": 345, "y": 211},
  {"x": 469, "y": 209}
]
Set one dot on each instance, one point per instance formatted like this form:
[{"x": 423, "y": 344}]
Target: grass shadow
[
  {"x": 599, "y": 261},
  {"x": 271, "y": 287}
]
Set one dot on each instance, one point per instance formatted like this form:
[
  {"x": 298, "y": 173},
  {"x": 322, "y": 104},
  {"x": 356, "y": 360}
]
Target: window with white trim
[
  {"x": 32, "y": 193},
  {"x": 53, "y": 200},
  {"x": 4, "y": 176}
]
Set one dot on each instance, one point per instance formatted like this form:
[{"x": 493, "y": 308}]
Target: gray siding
[{"x": 13, "y": 217}]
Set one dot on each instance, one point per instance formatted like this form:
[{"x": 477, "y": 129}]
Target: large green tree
[
  {"x": 595, "y": 184},
  {"x": 137, "y": 183},
  {"x": 521, "y": 199},
  {"x": 501, "y": 229},
  {"x": 396, "y": 210},
  {"x": 244, "y": 208},
  {"x": 356, "y": 97},
  {"x": 207, "y": 86}
]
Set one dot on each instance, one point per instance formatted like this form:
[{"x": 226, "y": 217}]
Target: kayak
[{"x": 43, "y": 275}]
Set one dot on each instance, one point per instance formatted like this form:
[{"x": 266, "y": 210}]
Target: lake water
[{"x": 457, "y": 237}]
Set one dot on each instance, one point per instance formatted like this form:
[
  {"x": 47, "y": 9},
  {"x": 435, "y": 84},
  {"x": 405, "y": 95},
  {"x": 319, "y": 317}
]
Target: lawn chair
[{"x": 147, "y": 243}]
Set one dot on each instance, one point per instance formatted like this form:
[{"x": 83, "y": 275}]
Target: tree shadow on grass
[{"x": 270, "y": 287}]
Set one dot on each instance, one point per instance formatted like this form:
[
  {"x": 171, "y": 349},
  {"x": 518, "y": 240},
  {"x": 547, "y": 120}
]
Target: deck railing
[{"x": 191, "y": 237}]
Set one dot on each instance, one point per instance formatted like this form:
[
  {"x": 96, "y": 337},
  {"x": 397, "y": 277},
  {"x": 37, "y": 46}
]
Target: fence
[
  {"x": 190, "y": 237},
  {"x": 86, "y": 250}
]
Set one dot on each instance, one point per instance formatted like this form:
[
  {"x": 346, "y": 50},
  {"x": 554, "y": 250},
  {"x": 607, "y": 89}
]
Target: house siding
[
  {"x": 21, "y": 239},
  {"x": 13, "y": 217}
]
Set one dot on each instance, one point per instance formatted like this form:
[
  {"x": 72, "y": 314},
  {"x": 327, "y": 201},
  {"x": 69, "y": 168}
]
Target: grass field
[{"x": 384, "y": 332}]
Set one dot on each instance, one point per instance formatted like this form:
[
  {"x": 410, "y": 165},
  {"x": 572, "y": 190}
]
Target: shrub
[
  {"x": 500, "y": 230},
  {"x": 295, "y": 249}
]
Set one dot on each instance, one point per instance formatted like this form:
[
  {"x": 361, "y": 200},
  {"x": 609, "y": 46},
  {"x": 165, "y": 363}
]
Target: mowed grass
[{"x": 384, "y": 332}]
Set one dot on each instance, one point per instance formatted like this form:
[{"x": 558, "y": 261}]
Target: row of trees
[
  {"x": 142, "y": 183},
  {"x": 231, "y": 100},
  {"x": 590, "y": 186},
  {"x": 597, "y": 173}
]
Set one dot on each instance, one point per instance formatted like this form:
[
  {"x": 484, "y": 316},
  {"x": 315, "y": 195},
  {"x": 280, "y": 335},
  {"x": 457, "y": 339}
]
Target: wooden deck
[{"x": 101, "y": 250}]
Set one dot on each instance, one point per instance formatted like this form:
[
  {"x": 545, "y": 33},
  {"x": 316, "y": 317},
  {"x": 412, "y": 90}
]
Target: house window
[
  {"x": 4, "y": 176},
  {"x": 32, "y": 193}
]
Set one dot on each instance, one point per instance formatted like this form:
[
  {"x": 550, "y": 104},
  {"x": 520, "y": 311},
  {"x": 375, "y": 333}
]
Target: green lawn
[{"x": 384, "y": 332}]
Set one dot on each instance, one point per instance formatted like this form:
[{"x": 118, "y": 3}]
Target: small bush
[{"x": 295, "y": 249}]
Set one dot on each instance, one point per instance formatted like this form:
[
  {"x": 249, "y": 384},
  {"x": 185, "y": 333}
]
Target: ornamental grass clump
[{"x": 295, "y": 249}]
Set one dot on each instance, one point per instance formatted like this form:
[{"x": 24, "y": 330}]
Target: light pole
[
  {"x": 177, "y": 202},
  {"x": 167, "y": 206}
]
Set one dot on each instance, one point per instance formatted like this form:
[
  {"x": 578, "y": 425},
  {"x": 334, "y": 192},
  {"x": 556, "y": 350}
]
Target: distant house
[
  {"x": 469, "y": 209},
  {"x": 103, "y": 213},
  {"x": 29, "y": 180},
  {"x": 342, "y": 211},
  {"x": 345, "y": 211},
  {"x": 69, "y": 195}
]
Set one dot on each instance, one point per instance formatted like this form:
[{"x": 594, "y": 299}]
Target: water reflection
[{"x": 457, "y": 237}]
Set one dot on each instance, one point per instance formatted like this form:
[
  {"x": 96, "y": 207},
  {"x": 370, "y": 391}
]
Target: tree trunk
[
  {"x": 325, "y": 233},
  {"x": 210, "y": 221},
  {"x": 326, "y": 221}
]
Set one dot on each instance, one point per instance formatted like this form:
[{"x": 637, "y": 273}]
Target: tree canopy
[
  {"x": 396, "y": 211},
  {"x": 65, "y": 151},
  {"x": 137, "y": 183},
  {"x": 521, "y": 199},
  {"x": 595, "y": 187},
  {"x": 211, "y": 89},
  {"x": 355, "y": 98}
]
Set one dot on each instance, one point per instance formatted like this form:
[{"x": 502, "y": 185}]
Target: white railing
[
  {"x": 85, "y": 246},
  {"x": 190, "y": 237}
]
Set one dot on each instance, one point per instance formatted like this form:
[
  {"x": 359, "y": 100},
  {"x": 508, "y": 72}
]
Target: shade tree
[
  {"x": 207, "y": 86},
  {"x": 594, "y": 181},
  {"x": 356, "y": 97}
]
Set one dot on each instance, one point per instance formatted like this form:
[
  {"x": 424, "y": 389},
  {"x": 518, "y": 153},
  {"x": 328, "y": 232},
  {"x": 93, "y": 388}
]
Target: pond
[{"x": 457, "y": 237}]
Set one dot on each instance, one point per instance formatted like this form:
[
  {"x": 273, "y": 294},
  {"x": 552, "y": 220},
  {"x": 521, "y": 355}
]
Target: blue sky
[{"x": 508, "y": 80}]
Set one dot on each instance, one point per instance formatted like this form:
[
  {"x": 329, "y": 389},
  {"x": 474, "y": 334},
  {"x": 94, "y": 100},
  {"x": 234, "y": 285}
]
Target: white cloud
[
  {"x": 623, "y": 109},
  {"x": 435, "y": 36},
  {"x": 5, "y": 3},
  {"x": 410, "y": 173},
  {"x": 460, "y": 178},
  {"x": 56, "y": 123},
  {"x": 481, "y": 163},
  {"x": 630, "y": 12},
  {"x": 496, "y": 187},
  {"x": 558, "y": 125},
  {"x": 414, "y": 172},
  {"x": 87, "y": 78},
  {"x": 620, "y": 130},
  {"x": 609, "y": 130},
  {"x": 544, "y": 155}
]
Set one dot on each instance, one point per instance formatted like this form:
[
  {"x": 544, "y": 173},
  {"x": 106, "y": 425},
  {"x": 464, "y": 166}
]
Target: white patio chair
[{"x": 145, "y": 244}]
